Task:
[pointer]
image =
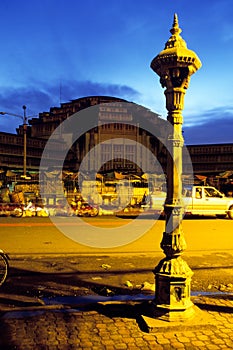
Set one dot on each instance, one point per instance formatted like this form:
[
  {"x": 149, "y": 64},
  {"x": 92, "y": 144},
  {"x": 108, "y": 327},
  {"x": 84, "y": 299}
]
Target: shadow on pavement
[
  {"x": 26, "y": 288},
  {"x": 215, "y": 308},
  {"x": 30, "y": 282}
]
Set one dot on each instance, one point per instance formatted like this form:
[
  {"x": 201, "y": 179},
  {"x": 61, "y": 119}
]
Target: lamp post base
[
  {"x": 172, "y": 307},
  {"x": 172, "y": 296},
  {"x": 172, "y": 314},
  {"x": 155, "y": 320}
]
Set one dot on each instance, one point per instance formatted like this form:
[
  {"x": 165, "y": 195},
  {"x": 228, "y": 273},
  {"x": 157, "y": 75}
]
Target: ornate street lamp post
[
  {"x": 24, "y": 118},
  {"x": 175, "y": 65}
]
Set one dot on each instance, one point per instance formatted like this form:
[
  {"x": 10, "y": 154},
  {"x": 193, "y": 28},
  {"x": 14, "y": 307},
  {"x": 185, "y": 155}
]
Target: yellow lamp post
[
  {"x": 175, "y": 65},
  {"x": 24, "y": 118}
]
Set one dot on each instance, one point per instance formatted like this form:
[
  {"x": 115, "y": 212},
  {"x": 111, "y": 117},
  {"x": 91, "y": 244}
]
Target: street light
[
  {"x": 24, "y": 118},
  {"x": 174, "y": 65}
]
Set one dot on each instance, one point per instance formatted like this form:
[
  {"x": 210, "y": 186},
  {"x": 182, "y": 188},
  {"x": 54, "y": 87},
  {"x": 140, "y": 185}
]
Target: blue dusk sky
[{"x": 53, "y": 51}]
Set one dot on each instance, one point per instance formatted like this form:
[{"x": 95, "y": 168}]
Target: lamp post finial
[{"x": 175, "y": 27}]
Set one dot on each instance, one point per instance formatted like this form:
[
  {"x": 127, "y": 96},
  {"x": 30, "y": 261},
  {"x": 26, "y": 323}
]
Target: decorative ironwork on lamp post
[
  {"x": 24, "y": 118},
  {"x": 175, "y": 65}
]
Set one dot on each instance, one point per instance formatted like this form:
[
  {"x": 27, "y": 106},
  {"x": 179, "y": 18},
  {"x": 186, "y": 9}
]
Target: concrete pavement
[{"x": 113, "y": 325}]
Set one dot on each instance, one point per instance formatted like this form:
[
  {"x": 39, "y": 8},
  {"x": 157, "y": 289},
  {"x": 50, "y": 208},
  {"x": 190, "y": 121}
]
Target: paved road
[
  {"x": 37, "y": 248},
  {"x": 99, "y": 235}
]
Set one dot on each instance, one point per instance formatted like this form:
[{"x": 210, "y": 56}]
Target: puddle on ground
[
  {"x": 78, "y": 303},
  {"x": 87, "y": 299},
  {"x": 194, "y": 294}
]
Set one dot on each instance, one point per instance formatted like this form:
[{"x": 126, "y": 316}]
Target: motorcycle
[
  {"x": 11, "y": 209},
  {"x": 84, "y": 209},
  {"x": 34, "y": 210}
]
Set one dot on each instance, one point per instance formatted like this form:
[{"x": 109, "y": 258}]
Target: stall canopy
[{"x": 226, "y": 174}]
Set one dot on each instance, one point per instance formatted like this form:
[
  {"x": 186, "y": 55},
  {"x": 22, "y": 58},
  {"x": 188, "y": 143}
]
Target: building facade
[
  {"x": 115, "y": 134},
  {"x": 116, "y": 140},
  {"x": 211, "y": 158}
]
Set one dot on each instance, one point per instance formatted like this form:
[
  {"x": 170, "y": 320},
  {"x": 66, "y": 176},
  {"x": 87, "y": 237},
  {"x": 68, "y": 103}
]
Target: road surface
[
  {"x": 46, "y": 263},
  {"x": 38, "y": 235}
]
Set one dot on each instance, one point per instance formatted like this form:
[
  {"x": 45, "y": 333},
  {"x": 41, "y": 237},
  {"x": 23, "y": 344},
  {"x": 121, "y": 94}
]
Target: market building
[
  {"x": 115, "y": 120},
  {"x": 118, "y": 132}
]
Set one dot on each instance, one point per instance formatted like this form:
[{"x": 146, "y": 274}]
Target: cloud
[
  {"x": 203, "y": 117},
  {"x": 213, "y": 126},
  {"x": 41, "y": 97},
  {"x": 72, "y": 90}
]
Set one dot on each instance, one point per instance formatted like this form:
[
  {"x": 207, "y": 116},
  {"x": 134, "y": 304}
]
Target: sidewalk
[{"x": 113, "y": 325}]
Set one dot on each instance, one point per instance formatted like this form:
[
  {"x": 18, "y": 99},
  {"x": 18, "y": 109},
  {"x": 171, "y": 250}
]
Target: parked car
[
  {"x": 197, "y": 200},
  {"x": 207, "y": 200}
]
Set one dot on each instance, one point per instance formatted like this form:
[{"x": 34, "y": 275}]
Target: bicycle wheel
[{"x": 3, "y": 268}]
